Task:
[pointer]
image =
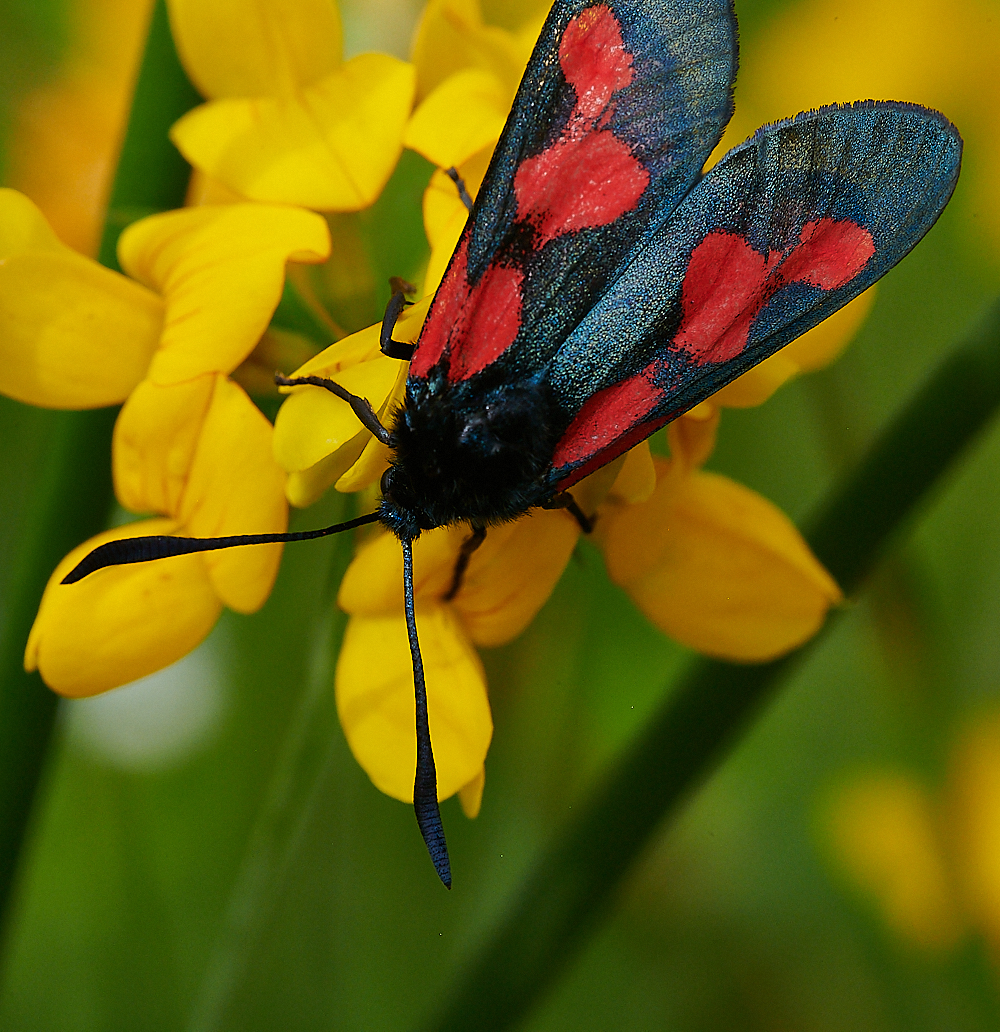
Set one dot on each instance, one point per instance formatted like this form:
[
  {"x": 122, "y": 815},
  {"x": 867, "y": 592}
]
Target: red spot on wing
[
  {"x": 724, "y": 288},
  {"x": 617, "y": 447},
  {"x": 608, "y": 416},
  {"x": 830, "y": 255},
  {"x": 587, "y": 177},
  {"x": 475, "y": 324},
  {"x": 594, "y": 60},
  {"x": 727, "y": 282}
]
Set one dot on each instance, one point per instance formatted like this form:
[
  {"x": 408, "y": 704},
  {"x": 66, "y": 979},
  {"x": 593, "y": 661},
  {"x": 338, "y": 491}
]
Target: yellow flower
[
  {"x": 710, "y": 562},
  {"x": 288, "y": 120},
  {"x": 188, "y": 444},
  {"x": 508, "y": 579},
  {"x": 66, "y": 134},
  {"x": 886, "y": 836},
  {"x": 317, "y": 438},
  {"x": 930, "y": 861}
]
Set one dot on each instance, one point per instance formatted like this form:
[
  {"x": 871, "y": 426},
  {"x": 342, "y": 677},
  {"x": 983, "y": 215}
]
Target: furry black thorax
[{"x": 483, "y": 463}]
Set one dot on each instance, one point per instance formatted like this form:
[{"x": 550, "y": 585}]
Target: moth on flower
[{"x": 603, "y": 287}]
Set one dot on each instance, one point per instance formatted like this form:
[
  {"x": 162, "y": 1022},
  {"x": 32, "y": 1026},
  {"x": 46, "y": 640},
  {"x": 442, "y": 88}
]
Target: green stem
[
  {"x": 73, "y": 492},
  {"x": 573, "y": 884}
]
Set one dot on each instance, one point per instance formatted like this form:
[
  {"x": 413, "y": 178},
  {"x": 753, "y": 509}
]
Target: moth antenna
[
  {"x": 361, "y": 407},
  {"x": 425, "y": 801},
  {"x": 162, "y": 546},
  {"x": 463, "y": 194}
]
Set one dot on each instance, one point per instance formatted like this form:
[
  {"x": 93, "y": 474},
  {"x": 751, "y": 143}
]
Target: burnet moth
[{"x": 603, "y": 285}]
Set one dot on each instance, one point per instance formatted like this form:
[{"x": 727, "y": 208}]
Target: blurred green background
[{"x": 206, "y": 853}]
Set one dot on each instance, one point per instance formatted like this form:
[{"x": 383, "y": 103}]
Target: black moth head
[{"x": 481, "y": 463}]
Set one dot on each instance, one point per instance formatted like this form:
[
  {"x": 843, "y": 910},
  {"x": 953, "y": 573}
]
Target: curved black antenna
[
  {"x": 161, "y": 546},
  {"x": 425, "y": 801}
]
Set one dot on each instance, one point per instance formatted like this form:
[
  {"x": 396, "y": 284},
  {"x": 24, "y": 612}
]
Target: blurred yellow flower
[
  {"x": 930, "y": 861},
  {"x": 287, "y": 119},
  {"x": 932, "y": 52},
  {"x": 65, "y": 135},
  {"x": 188, "y": 443}
]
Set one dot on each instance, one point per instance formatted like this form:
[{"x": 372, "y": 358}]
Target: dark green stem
[
  {"x": 73, "y": 495},
  {"x": 574, "y": 882}
]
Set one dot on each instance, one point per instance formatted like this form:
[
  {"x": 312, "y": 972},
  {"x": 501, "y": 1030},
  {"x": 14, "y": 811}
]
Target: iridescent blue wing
[
  {"x": 785, "y": 230},
  {"x": 620, "y": 105}
]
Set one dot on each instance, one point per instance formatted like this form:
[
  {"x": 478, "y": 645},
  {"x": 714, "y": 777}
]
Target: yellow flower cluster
[
  {"x": 189, "y": 444},
  {"x": 930, "y": 861},
  {"x": 289, "y": 130}
]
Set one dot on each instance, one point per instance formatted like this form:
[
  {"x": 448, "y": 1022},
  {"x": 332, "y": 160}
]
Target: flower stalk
[
  {"x": 573, "y": 884},
  {"x": 74, "y": 495}
]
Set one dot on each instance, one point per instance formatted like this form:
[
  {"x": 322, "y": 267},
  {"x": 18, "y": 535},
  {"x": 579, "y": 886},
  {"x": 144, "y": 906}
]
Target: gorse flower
[{"x": 288, "y": 127}]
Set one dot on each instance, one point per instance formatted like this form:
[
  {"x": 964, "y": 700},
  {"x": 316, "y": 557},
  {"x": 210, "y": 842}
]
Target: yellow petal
[
  {"x": 882, "y": 832},
  {"x": 373, "y": 583},
  {"x": 72, "y": 333},
  {"x": 332, "y": 146},
  {"x": 154, "y": 444},
  {"x": 313, "y": 422},
  {"x": 374, "y": 686},
  {"x": 306, "y": 486},
  {"x": 314, "y": 425},
  {"x": 464, "y": 114},
  {"x": 445, "y": 215},
  {"x": 824, "y": 343},
  {"x": 501, "y": 594},
  {"x": 374, "y": 460},
  {"x": 236, "y": 48},
  {"x": 65, "y": 128},
  {"x": 122, "y": 622},
  {"x": 591, "y": 492},
  {"x": 636, "y": 481},
  {"x": 236, "y": 487},
  {"x": 756, "y": 385},
  {"x": 718, "y": 568},
  {"x": 371, "y": 464},
  {"x": 451, "y": 37},
  {"x": 692, "y": 437},
  {"x": 471, "y": 795},
  {"x": 975, "y": 827},
  {"x": 221, "y": 271},
  {"x": 813, "y": 350}
]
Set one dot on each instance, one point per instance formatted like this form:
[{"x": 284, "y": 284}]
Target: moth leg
[
  {"x": 360, "y": 406},
  {"x": 469, "y": 545},
  {"x": 452, "y": 174},
  {"x": 564, "y": 500},
  {"x": 396, "y": 348}
]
